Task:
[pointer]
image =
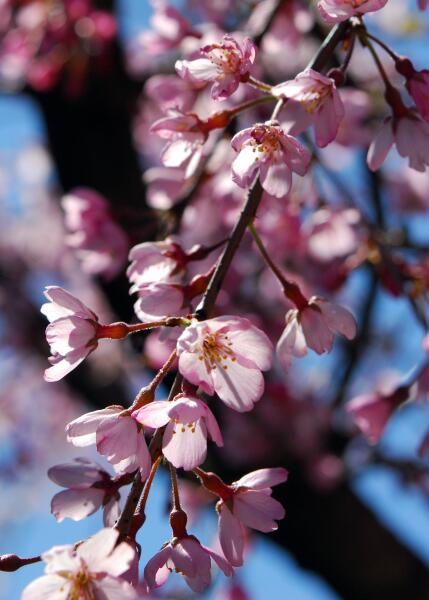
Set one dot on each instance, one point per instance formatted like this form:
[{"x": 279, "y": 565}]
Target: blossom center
[
  {"x": 314, "y": 97},
  {"x": 226, "y": 61},
  {"x": 266, "y": 141},
  {"x": 216, "y": 350}
]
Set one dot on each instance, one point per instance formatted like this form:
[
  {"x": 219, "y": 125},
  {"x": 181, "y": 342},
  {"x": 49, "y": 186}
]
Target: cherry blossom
[
  {"x": 225, "y": 356},
  {"x": 90, "y": 570},
  {"x": 116, "y": 435},
  {"x": 313, "y": 326},
  {"x": 186, "y": 136},
  {"x": 88, "y": 489},
  {"x": 169, "y": 28},
  {"x": 154, "y": 262},
  {"x": 71, "y": 334},
  {"x": 248, "y": 503},
  {"x": 371, "y": 412},
  {"x": 189, "y": 422},
  {"x": 267, "y": 149},
  {"x": 98, "y": 242},
  {"x": 188, "y": 557},
  {"x": 226, "y": 64},
  {"x": 315, "y": 101},
  {"x": 418, "y": 87},
  {"x": 410, "y": 134},
  {"x": 335, "y": 11}
]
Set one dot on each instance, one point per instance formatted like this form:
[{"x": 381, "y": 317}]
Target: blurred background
[{"x": 78, "y": 94}]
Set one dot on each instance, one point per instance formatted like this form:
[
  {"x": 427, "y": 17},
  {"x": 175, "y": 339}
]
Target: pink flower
[
  {"x": 188, "y": 557},
  {"x": 226, "y": 64},
  {"x": 249, "y": 504},
  {"x": 267, "y": 149},
  {"x": 92, "y": 570},
  {"x": 418, "y": 87},
  {"x": 189, "y": 421},
  {"x": 89, "y": 488},
  {"x": 71, "y": 334},
  {"x": 153, "y": 262},
  {"x": 98, "y": 242},
  {"x": 371, "y": 412},
  {"x": 335, "y": 11},
  {"x": 186, "y": 137},
  {"x": 225, "y": 356},
  {"x": 313, "y": 326},
  {"x": 116, "y": 435},
  {"x": 410, "y": 133},
  {"x": 316, "y": 102},
  {"x": 159, "y": 300},
  {"x": 169, "y": 28}
]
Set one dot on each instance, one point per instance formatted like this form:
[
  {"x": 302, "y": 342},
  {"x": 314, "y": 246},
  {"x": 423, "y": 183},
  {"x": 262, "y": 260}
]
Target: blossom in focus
[
  {"x": 153, "y": 262},
  {"x": 313, "y": 326},
  {"x": 189, "y": 422},
  {"x": 410, "y": 134},
  {"x": 71, "y": 334},
  {"x": 185, "y": 137},
  {"x": 371, "y": 412},
  {"x": 335, "y": 11},
  {"x": 267, "y": 149},
  {"x": 85, "y": 492},
  {"x": 98, "y": 242},
  {"x": 249, "y": 505},
  {"x": 188, "y": 557},
  {"x": 315, "y": 101},
  {"x": 225, "y": 356},
  {"x": 226, "y": 64},
  {"x": 116, "y": 435},
  {"x": 92, "y": 570}
]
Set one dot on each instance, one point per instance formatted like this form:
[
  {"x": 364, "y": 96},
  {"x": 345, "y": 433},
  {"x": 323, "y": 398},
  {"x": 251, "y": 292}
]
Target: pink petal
[
  {"x": 380, "y": 146},
  {"x": 82, "y": 431},
  {"x": 109, "y": 588},
  {"x": 338, "y": 319},
  {"x": 49, "y": 587},
  {"x": 154, "y": 414},
  {"x": 245, "y": 166},
  {"x": 258, "y": 510},
  {"x": 185, "y": 446},
  {"x": 291, "y": 343},
  {"x": 213, "y": 428},
  {"x": 98, "y": 547},
  {"x": 276, "y": 178},
  {"x": 263, "y": 478},
  {"x": 66, "y": 305},
  {"x": 68, "y": 334},
  {"x": 231, "y": 536},
  {"x": 194, "y": 370},
  {"x": 239, "y": 387},
  {"x": 316, "y": 332},
  {"x": 111, "y": 512},
  {"x": 76, "y": 504},
  {"x": 154, "y": 565},
  {"x": 63, "y": 367},
  {"x": 79, "y": 474}
]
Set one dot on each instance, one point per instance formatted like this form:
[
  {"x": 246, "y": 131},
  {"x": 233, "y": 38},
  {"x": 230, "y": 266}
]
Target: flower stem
[
  {"x": 174, "y": 488},
  {"x": 290, "y": 289},
  {"x": 265, "y": 87}
]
